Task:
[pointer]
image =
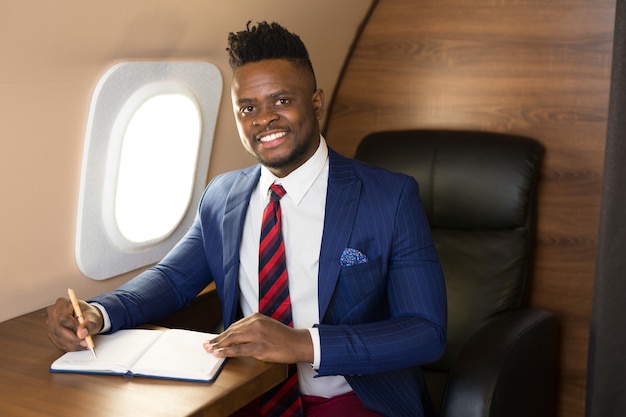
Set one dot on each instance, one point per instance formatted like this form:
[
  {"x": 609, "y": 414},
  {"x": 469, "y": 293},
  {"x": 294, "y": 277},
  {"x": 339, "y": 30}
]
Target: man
[{"x": 366, "y": 299}]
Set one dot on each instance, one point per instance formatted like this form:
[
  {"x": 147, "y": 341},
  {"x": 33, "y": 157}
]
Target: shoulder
[
  {"x": 239, "y": 181},
  {"x": 224, "y": 182}
]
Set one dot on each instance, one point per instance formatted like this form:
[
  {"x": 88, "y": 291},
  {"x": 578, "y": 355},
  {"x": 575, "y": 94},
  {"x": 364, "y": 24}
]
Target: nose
[{"x": 264, "y": 117}]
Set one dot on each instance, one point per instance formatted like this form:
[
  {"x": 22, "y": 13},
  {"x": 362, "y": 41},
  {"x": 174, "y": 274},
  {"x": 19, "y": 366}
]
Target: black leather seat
[{"x": 478, "y": 190}]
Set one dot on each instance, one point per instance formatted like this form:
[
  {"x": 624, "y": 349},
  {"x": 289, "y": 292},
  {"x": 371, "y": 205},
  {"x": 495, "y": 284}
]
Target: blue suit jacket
[{"x": 379, "y": 320}]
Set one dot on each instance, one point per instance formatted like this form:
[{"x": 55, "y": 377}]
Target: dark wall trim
[{"x": 606, "y": 378}]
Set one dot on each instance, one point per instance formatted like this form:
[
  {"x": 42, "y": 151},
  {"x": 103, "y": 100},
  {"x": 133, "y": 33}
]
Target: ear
[{"x": 318, "y": 103}]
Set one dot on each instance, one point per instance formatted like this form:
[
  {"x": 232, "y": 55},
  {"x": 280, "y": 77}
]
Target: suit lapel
[
  {"x": 344, "y": 190},
  {"x": 234, "y": 216}
]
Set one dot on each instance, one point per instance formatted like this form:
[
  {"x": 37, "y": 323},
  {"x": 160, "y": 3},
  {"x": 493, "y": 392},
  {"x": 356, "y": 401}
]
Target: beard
[{"x": 301, "y": 150}]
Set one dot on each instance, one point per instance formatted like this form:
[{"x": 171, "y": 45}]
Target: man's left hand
[{"x": 263, "y": 338}]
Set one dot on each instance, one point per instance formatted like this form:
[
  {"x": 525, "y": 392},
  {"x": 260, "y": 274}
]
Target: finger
[
  {"x": 232, "y": 337},
  {"x": 215, "y": 348},
  {"x": 68, "y": 321},
  {"x": 240, "y": 327},
  {"x": 65, "y": 338},
  {"x": 62, "y": 325},
  {"x": 233, "y": 351},
  {"x": 62, "y": 307}
]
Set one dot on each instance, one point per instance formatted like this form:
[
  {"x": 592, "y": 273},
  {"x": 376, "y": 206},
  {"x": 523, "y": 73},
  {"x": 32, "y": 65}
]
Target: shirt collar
[{"x": 298, "y": 182}]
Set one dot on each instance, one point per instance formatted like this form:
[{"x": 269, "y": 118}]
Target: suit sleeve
[
  {"x": 162, "y": 289},
  {"x": 398, "y": 319}
]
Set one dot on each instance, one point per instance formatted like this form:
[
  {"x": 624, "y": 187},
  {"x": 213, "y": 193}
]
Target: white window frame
[{"x": 102, "y": 251}]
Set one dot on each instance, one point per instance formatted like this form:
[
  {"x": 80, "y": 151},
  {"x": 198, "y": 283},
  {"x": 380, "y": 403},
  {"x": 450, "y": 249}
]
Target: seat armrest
[{"x": 508, "y": 368}]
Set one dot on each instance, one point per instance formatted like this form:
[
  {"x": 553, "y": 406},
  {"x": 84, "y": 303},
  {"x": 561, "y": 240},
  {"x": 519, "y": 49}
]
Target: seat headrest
[{"x": 468, "y": 180}]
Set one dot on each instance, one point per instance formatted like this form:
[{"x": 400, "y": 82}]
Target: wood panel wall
[{"x": 539, "y": 68}]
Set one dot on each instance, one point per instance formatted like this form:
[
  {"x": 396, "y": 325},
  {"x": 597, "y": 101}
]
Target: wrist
[{"x": 305, "y": 343}]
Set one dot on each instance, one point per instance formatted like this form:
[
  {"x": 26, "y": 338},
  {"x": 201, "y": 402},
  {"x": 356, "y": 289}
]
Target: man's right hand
[{"x": 65, "y": 331}]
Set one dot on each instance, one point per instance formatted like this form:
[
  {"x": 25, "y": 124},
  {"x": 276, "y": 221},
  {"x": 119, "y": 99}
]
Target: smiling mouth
[{"x": 271, "y": 137}]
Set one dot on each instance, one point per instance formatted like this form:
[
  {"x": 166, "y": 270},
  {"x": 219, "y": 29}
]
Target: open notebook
[{"x": 171, "y": 354}]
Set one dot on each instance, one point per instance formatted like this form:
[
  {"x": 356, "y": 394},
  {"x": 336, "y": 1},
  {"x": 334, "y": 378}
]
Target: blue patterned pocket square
[{"x": 351, "y": 257}]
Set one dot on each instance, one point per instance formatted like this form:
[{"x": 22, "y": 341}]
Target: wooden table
[{"x": 27, "y": 388}]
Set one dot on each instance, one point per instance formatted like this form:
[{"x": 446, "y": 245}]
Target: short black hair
[{"x": 267, "y": 41}]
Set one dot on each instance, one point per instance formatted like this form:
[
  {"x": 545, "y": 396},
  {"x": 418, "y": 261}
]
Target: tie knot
[{"x": 277, "y": 192}]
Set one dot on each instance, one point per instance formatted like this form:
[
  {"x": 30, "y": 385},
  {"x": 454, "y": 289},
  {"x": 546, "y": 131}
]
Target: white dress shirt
[{"x": 303, "y": 209}]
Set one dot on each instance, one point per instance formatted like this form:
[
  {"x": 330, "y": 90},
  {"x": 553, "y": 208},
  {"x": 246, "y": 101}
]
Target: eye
[
  {"x": 246, "y": 109},
  {"x": 282, "y": 101}
]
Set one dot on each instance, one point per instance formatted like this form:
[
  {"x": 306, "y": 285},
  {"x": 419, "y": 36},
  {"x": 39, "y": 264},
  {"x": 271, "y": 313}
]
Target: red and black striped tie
[{"x": 274, "y": 301}]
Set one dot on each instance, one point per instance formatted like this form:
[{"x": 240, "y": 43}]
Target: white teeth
[{"x": 272, "y": 137}]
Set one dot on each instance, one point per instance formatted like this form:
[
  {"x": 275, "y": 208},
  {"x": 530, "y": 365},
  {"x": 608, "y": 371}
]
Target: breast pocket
[{"x": 360, "y": 294}]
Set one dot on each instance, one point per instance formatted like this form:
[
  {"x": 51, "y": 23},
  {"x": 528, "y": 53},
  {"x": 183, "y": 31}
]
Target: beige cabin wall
[{"x": 53, "y": 54}]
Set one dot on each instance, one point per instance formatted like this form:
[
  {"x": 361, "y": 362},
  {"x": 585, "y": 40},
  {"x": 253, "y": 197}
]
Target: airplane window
[
  {"x": 157, "y": 165},
  {"x": 145, "y": 162}
]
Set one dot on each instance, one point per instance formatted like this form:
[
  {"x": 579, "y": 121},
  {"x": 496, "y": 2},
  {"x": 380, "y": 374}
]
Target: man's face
[{"x": 277, "y": 110}]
